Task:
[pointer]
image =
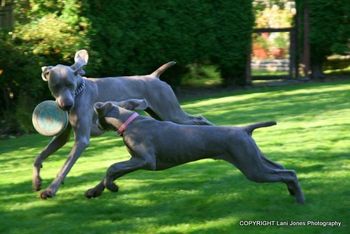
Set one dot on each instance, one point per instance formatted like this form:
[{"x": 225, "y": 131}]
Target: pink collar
[{"x": 123, "y": 127}]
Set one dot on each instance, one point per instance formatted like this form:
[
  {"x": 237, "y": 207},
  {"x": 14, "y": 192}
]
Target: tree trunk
[{"x": 316, "y": 69}]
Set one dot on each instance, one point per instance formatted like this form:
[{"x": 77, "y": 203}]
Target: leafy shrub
[
  {"x": 51, "y": 30},
  {"x": 329, "y": 29},
  {"x": 137, "y": 36},
  {"x": 46, "y": 32},
  {"x": 20, "y": 86}
]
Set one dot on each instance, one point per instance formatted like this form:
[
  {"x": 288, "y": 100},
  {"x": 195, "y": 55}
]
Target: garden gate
[{"x": 277, "y": 61}]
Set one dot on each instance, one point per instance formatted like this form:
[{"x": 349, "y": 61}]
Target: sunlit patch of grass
[
  {"x": 208, "y": 196},
  {"x": 345, "y": 70}
]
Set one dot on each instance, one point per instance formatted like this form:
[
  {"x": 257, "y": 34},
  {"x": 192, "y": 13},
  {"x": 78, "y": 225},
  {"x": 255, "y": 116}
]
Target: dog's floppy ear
[
  {"x": 134, "y": 104},
  {"x": 98, "y": 105},
  {"x": 80, "y": 60},
  {"x": 101, "y": 108},
  {"x": 45, "y": 71}
]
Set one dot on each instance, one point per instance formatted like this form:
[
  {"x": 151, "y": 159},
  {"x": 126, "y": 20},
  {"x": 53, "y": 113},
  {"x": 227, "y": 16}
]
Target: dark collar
[{"x": 80, "y": 88}]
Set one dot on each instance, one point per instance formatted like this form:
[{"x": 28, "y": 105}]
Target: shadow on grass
[{"x": 32, "y": 145}]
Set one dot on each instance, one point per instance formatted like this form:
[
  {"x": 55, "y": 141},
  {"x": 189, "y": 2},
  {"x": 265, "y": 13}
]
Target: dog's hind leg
[
  {"x": 288, "y": 177},
  {"x": 56, "y": 143},
  {"x": 274, "y": 165},
  {"x": 165, "y": 106},
  {"x": 95, "y": 191},
  {"x": 257, "y": 170}
]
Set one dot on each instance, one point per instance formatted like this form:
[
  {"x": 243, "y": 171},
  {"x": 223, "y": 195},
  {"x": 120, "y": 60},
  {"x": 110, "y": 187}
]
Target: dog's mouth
[{"x": 66, "y": 106}]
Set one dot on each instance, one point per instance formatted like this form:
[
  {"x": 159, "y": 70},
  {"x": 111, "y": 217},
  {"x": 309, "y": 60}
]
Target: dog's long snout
[{"x": 64, "y": 105}]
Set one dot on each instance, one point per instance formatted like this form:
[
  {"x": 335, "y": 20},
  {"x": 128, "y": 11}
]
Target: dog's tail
[
  {"x": 162, "y": 69},
  {"x": 250, "y": 128}
]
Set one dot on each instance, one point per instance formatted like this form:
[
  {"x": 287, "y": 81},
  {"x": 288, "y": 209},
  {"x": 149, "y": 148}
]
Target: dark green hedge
[
  {"x": 329, "y": 28},
  {"x": 20, "y": 87},
  {"x": 136, "y": 36}
]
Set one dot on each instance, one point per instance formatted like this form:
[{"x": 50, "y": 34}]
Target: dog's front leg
[
  {"x": 121, "y": 168},
  {"x": 82, "y": 138},
  {"x": 56, "y": 143},
  {"x": 115, "y": 171},
  {"x": 78, "y": 148}
]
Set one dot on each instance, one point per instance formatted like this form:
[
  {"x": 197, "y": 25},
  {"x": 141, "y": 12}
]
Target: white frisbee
[{"x": 48, "y": 119}]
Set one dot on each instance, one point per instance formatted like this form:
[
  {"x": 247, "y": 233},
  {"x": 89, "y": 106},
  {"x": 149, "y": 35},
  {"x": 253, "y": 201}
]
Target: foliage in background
[
  {"x": 274, "y": 14},
  {"x": 329, "y": 30},
  {"x": 233, "y": 39},
  {"x": 137, "y": 36},
  {"x": 18, "y": 88},
  {"x": 45, "y": 33},
  {"x": 51, "y": 30}
]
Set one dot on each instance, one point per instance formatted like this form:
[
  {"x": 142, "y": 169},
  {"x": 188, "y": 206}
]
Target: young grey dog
[
  {"x": 158, "y": 145},
  {"x": 78, "y": 94}
]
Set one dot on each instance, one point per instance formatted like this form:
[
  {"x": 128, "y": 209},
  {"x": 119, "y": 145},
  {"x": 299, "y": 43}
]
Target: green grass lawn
[
  {"x": 312, "y": 137},
  {"x": 262, "y": 72}
]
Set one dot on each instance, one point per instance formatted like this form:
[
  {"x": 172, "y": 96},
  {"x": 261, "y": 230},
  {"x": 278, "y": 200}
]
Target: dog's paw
[
  {"x": 48, "y": 193},
  {"x": 93, "y": 192},
  {"x": 112, "y": 187},
  {"x": 291, "y": 191},
  {"x": 36, "y": 183}
]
